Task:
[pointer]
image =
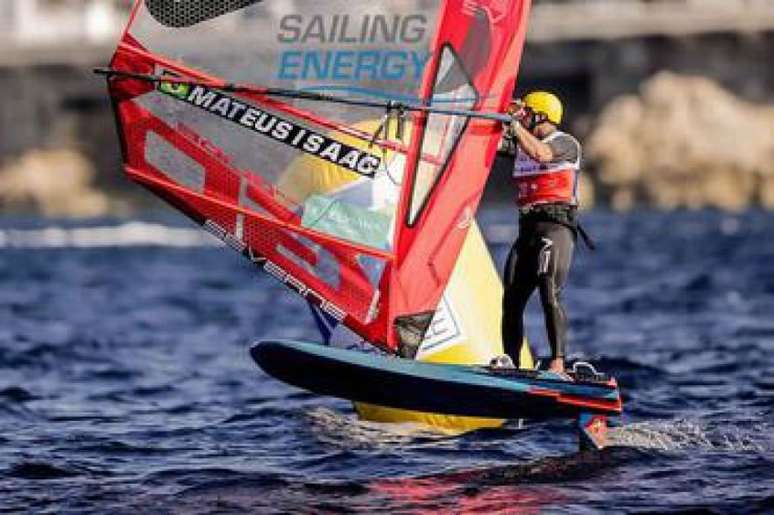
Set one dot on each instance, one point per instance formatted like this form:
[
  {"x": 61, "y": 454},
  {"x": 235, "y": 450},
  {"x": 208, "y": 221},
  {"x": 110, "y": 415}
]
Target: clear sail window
[{"x": 452, "y": 89}]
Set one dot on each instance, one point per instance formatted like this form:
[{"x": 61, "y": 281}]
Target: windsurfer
[{"x": 545, "y": 173}]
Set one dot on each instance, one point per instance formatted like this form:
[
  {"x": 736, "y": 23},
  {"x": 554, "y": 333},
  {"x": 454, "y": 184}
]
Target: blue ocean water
[{"x": 126, "y": 384}]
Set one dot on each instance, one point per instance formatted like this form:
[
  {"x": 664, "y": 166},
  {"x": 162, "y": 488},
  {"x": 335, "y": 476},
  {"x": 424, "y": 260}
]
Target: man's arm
[{"x": 533, "y": 147}]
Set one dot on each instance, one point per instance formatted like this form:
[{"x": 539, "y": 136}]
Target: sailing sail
[{"x": 259, "y": 119}]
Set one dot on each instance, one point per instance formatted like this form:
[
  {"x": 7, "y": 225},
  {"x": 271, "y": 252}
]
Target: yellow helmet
[{"x": 546, "y": 103}]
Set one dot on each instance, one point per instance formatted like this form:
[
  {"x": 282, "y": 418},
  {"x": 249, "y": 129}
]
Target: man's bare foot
[{"x": 556, "y": 365}]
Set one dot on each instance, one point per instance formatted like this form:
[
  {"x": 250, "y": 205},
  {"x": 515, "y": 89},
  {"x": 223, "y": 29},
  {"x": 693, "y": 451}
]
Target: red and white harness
[{"x": 543, "y": 183}]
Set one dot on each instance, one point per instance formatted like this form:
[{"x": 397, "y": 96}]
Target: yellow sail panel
[
  {"x": 466, "y": 327},
  {"x": 467, "y": 332}
]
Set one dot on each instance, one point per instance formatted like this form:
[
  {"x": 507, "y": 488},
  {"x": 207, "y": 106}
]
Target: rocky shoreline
[
  {"x": 683, "y": 142},
  {"x": 54, "y": 183}
]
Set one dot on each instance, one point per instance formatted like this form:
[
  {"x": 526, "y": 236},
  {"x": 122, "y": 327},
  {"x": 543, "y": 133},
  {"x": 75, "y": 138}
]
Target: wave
[
  {"x": 39, "y": 470},
  {"x": 129, "y": 234}
]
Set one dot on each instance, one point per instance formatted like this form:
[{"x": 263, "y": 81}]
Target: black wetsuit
[{"x": 540, "y": 259}]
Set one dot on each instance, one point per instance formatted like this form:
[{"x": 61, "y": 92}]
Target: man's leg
[
  {"x": 554, "y": 262},
  {"x": 520, "y": 281}
]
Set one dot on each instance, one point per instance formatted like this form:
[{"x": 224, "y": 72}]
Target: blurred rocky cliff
[
  {"x": 672, "y": 99},
  {"x": 683, "y": 141},
  {"x": 53, "y": 183}
]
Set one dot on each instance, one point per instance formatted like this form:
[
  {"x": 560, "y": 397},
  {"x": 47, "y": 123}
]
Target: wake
[{"x": 683, "y": 434}]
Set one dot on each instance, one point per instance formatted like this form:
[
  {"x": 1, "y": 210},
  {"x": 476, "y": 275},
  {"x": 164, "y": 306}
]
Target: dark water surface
[{"x": 126, "y": 385}]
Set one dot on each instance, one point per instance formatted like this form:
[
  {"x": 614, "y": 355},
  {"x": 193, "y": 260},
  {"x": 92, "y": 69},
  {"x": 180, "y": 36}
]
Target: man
[{"x": 545, "y": 173}]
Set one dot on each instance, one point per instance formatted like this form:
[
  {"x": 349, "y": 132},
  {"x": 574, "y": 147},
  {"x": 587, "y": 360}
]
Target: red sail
[{"x": 365, "y": 223}]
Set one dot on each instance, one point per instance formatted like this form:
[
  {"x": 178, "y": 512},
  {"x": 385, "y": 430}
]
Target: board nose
[{"x": 263, "y": 353}]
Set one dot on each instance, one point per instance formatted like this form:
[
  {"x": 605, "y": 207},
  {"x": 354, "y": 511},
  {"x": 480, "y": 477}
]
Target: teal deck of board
[{"x": 449, "y": 389}]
